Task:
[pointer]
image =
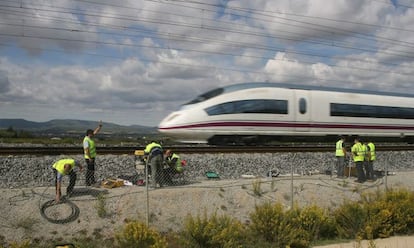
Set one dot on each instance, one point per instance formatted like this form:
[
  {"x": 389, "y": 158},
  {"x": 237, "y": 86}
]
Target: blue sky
[{"x": 133, "y": 62}]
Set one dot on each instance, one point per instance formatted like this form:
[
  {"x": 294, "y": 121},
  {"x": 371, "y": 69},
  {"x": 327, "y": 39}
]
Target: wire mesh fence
[{"x": 230, "y": 184}]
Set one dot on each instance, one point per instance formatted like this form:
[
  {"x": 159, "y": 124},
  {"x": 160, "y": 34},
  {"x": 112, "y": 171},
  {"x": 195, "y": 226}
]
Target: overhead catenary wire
[
  {"x": 328, "y": 29},
  {"x": 171, "y": 37},
  {"x": 73, "y": 11},
  {"x": 191, "y": 50},
  {"x": 166, "y": 48}
]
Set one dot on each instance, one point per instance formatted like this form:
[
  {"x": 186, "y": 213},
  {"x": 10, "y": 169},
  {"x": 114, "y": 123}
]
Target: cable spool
[{"x": 49, "y": 205}]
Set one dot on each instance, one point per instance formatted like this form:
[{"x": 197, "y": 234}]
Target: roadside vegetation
[
  {"x": 13, "y": 136},
  {"x": 376, "y": 215}
]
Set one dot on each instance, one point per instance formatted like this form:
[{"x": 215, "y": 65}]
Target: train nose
[{"x": 168, "y": 122}]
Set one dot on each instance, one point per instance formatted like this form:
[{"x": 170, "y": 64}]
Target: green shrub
[
  {"x": 214, "y": 231},
  {"x": 389, "y": 213},
  {"x": 22, "y": 244},
  {"x": 377, "y": 215},
  {"x": 271, "y": 223},
  {"x": 294, "y": 228},
  {"x": 401, "y": 205},
  {"x": 136, "y": 234},
  {"x": 311, "y": 220},
  {"x": 350, "y": 219}
]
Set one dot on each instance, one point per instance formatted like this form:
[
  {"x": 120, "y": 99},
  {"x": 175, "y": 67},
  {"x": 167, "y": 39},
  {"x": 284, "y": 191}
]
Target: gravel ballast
[{"x": 35, "y": 171}]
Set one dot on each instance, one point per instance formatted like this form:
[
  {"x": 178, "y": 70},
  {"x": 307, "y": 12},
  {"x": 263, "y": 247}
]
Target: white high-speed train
[{"x": 263, "y": 112}]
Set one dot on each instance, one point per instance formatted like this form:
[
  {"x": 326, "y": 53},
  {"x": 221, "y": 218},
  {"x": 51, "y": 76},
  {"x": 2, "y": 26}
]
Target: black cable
[{"x": 50, "y": 204}]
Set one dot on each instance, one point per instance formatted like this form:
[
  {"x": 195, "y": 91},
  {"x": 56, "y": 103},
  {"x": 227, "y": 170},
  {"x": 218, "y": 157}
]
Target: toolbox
[
  {"x": 212, "y": 175},
  {"x": 112, "y": 183}
]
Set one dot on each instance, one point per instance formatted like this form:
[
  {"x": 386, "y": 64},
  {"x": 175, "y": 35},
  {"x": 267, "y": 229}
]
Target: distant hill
[{"x": 72, "y": 127}]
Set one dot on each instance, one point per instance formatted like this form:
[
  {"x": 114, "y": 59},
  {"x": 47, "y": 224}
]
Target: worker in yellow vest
[
  {"x": 154, "y": 156},
  {"x": 358, "y": 155},
  {"x": 173, "y": 160},
  {"x": 61, "y": 168},
  {"x": 174, "y": 165},
  {"x": 371, "y": 157},
  {"x": 90, "y": 154},
  {"x": 340, "y": 154}
]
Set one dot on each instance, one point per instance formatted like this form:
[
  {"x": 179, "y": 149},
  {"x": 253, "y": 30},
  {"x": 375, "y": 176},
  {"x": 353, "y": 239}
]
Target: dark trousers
[
  {"x": 340, "y": 166},
  {"x": 168, "y": 175},
  {"x": 72, "y": 181},
  {"x": 360, "y": 171},
  {"x": 157, "y": 173},
  {"x": 369, "y": 170},
  {"x": 90, "y": 172}
]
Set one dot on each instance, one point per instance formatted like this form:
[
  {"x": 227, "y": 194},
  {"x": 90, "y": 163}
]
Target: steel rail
[{"x": 125, "y": 150}]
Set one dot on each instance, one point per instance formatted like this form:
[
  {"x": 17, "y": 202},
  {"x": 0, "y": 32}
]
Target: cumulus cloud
[
  {"x": 4, "y": 83},
  {"x": 110, "y": 59}
]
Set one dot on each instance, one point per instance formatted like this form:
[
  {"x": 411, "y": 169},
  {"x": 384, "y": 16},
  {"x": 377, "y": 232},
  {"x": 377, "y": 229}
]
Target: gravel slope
[
  {"x": 25, "y": 184},
  {"x": 32, "y": 171}
]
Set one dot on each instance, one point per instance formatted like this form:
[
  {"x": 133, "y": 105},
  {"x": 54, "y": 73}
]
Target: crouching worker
[
  {"x": 62, "y": 168},
  {"x": 173, "y": 161},
  {"x": 174, "y": 165}
]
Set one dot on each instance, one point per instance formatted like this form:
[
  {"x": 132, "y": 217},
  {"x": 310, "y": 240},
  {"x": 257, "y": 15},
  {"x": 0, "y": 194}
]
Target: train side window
[
  {"x": 302, "y": 106},
  {"x": 371, "y": 111},
  {"x": 253, "y": 106}
]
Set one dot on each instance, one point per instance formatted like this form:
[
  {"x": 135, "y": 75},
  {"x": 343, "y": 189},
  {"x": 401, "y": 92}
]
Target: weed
[
  {"x": 137, "y": 234},
  {"x": 257, "y": 187},
  {"x": 286, "y": 196},
  {"x": 344, "y": 183},
  {"x": 299, "y": 189},
  {"x": 23, "y": 244},
  {"x": 100, "y": 206},
  {"x": 273, "y": 185},
  {"x": 25, "y": 223}
]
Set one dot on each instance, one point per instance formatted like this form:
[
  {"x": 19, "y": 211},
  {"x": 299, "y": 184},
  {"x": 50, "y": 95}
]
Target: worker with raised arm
[{"x": 89, "y": 149}]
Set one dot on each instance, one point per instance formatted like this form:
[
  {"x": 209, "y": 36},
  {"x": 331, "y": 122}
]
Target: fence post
[{"x": 146, "y": 191}]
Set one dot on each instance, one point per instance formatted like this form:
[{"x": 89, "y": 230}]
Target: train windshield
[
  {"x": 226, "y": 89},
  {"x": 206, "y": 96}
]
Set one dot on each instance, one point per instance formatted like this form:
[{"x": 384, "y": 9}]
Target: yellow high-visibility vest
[
  {"x": 358, "y": 152},
  {"x": 92, "y": 148},
  {"x": 60, "y": 165},
  {"x": 339, "y": 149},
  {"x": 372, "y": 151}
]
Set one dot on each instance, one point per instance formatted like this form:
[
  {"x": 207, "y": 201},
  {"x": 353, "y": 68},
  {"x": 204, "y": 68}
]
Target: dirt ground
[
  {"x": 102, "y": 211},
  {"x": 393, "y": 242}
]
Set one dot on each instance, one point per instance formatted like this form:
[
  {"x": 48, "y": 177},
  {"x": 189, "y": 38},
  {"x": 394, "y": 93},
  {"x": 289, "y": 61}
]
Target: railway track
[{"x": 122, "y": 150}]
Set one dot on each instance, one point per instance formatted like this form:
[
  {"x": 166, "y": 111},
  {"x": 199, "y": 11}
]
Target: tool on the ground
[{"x": 112, "y": 183}]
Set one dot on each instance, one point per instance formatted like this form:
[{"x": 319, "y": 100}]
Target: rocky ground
[
  {"x": 26, "y": 186},
  {"x": 34, "y": 171}
]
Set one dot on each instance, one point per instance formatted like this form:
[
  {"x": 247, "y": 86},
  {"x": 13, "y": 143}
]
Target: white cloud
[{"x": 123, "y": 61}]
